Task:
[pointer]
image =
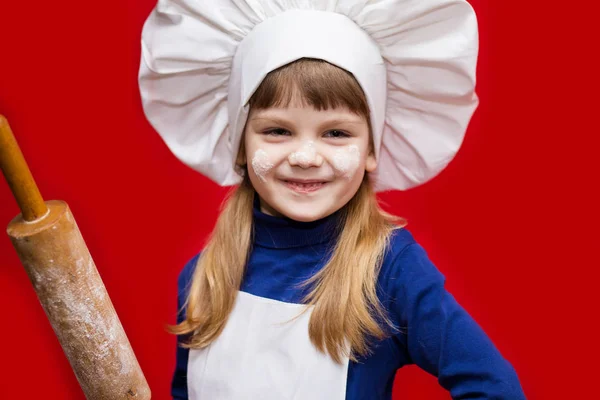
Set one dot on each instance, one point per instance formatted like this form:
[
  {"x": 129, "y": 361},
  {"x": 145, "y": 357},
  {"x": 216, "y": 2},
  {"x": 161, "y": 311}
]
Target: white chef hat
[{"x": 415, "y": 60}]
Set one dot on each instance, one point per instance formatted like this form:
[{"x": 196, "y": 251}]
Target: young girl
[{"x": 306, "y": 288}]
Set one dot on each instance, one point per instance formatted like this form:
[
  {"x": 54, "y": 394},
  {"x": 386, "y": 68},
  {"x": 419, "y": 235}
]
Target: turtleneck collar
[{"x": 283, "y": 232}]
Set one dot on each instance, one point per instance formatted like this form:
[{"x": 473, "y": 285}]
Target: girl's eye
[
  {"x": 277, "y": 132},
  {"x": 283, "y": 132},
  {"x": 336, "y": 134}
]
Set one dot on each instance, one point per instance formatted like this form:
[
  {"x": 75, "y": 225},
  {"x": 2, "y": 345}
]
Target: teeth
[{"x": 306, "y": 185}]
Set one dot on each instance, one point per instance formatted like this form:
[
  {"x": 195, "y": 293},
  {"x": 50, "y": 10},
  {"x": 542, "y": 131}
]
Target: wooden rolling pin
[{"x": 66, "y": 281}]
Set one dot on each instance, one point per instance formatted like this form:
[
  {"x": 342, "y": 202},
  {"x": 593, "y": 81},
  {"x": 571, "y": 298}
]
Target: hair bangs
[{"x": 311, "y": 82}]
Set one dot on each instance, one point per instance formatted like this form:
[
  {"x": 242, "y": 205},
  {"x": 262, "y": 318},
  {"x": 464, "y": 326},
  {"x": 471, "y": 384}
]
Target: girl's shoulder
[
  {"x": 406, "y": 260},
  {"x": 401, "y": 244},
  {"x": 400, "y": 239}
]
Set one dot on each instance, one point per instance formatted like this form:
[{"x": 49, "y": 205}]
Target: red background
[{"x": 512, "y": 222}]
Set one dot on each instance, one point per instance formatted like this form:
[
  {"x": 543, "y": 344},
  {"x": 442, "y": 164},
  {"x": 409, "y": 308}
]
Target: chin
[{"x": 304, "y": 216}]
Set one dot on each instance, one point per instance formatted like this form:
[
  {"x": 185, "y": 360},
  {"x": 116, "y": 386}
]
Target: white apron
[{"x": 261, "y": 356}]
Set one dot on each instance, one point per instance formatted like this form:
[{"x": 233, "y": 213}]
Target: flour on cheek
[
  {"x": 261, "y": 164},
  {"x": 346, "y": 160}
]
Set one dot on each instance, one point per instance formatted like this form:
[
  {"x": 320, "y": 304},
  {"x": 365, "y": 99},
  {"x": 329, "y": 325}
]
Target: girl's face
[{"x": 306, "y": 164}]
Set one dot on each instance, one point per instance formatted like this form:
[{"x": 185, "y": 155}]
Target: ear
[
  {"x": 371, "y": 162},
  {"x": 241, "y": 155},
  {"x": 241, "y": 159}
]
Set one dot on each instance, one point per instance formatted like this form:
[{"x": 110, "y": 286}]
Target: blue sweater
[{"x": 436, "y": 333}]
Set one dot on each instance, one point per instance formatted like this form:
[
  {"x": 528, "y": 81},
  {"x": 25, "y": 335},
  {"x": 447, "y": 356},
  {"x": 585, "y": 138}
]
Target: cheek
[
  {"x": 261, "y": 164},
  {"x": 346, "y": 160}
]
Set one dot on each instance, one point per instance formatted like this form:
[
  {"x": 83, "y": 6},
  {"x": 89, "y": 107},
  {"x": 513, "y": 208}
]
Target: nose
[{"x": 306, "y": 156}]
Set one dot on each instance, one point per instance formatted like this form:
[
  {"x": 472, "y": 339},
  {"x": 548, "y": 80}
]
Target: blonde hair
[{"x": 346, "y": 309}]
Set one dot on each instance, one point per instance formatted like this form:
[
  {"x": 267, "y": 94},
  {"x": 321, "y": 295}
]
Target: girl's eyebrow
[
  {"x": 277, "y": 121},
  {"x": 333, "y": 121}
]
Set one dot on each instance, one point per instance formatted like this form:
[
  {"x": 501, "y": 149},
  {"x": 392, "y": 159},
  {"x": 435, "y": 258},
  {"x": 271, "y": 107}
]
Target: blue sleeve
[
  {"x": 443, "y": 339},
  {"x": 179, "y": 383}
]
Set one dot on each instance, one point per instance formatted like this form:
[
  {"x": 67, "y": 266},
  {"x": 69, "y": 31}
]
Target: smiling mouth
[{"x": 304, "y": 187}]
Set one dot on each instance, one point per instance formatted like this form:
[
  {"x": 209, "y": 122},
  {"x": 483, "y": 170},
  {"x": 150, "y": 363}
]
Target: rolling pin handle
[{"x": 18, "y": 176}]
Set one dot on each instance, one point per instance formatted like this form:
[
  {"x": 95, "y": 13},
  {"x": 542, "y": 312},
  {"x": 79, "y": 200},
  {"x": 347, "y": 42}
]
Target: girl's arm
[
  {"x": 179, "y": 383},
  {"x": 443, "y": 339}
]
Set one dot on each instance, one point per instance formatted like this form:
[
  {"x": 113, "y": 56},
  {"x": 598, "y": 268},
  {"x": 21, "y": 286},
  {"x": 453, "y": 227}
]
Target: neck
[{"x": 278, "y": 231}]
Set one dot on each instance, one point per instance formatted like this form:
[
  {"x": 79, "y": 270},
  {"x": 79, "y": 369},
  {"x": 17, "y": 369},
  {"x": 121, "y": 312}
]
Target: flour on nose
[
  {"x": 305, "y": 155},
  {"x": 261, "y": 164},
  {"x": 346, "y": 160}
]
